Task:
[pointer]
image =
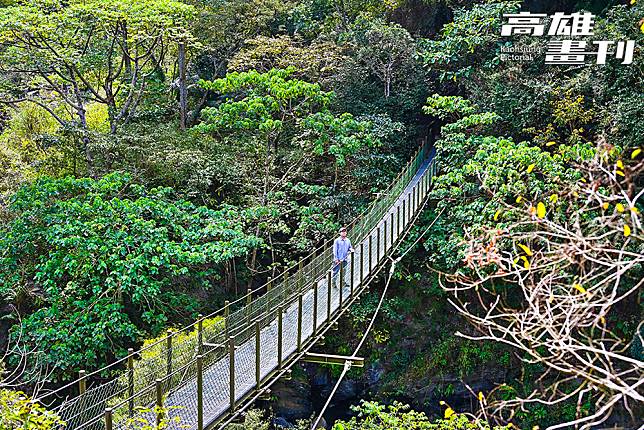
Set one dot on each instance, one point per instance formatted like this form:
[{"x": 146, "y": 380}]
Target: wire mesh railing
[{"x": 252, "y": 335}]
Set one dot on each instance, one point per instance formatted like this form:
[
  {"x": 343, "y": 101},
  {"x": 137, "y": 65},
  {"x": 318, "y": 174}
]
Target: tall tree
[
  {"x": 64, "y": 55},
  {"x": 272, "y": 111}
]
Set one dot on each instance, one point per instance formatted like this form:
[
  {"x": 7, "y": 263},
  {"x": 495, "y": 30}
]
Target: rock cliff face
[
  {"x": 304, "y": 395},
  {"x": 293, "y": 398}
]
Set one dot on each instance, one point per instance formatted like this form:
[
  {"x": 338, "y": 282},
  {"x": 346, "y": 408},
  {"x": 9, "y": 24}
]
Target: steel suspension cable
[{"x": 347, "y": 364}]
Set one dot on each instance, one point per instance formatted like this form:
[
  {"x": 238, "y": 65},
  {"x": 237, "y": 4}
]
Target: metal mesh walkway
[{"x": 218, "y": 367}]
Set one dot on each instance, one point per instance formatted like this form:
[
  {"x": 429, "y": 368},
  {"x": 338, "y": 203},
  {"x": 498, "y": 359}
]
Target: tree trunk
[
  {"x": 194, "y": 116},
  {"x": 82, "y": 119},
  {"x": 267, "y": 170},
  {"x": 388, "y": 78},
  {"x": 126, "y": 53},
  {"x": 183, "y": 90}
]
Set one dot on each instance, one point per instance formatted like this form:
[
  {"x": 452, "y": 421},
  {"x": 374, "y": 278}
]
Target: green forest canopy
[{"x": 158, "y": 157}]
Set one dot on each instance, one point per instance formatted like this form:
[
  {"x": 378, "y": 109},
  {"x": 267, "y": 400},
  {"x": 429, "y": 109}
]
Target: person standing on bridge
[{"x": 341, "y": 249}]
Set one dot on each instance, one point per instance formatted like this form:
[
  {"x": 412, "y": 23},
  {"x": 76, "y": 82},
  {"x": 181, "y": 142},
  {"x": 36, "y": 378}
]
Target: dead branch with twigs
[
  {"x": 17, "y": 375},
  {"x": 548, "y": 284}
]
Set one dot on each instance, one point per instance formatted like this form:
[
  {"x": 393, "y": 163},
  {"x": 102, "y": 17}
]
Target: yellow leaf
[
  {"x": 633, "y": 2},
  {"x": 603, "y": 320},
  {"x": 552, "y": 142},
  {"x": 635, "y": 210},
  {"x": 551, "y": 298},
  {"x": 620, "y": 207},
  {"x": 635, "y": 152},
  {"x": 535, "y": 427},
  {"x": 619, "y": 172},
  {"x": 526, "y": 249},
  {"x": 575, "y": 193},
  {"x": 481, "y": 397},
  {"x": 620, "y": 164},
  {"x": 642, "y": 27},
  {"x": 530, "y": 167},
  {"x": 605, "y": 205},
  {"x": 532, "y": 210},
  {"x": 496, "y": 214},
  {"x": 627, "y": 230},
  {"x": 579, "y": 288},
  {"x": 554, "y": 198},
  {"x": 441, "y": 403},
  {"x": 516, "y": 260},
  {"x": 519, "y": 199},
  {"x": 541, "y": 210},
  {"x": 526, "y": 263},
  {"x": 449, "y": 412}
]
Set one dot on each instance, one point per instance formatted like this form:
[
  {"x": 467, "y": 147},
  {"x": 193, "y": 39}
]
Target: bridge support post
[
  {"x": 425, "y": 183},
  {"x": 108, "y": 419},
  {"x": 409, "y": 208},
  {"x": 159, "y": 392},
  {"x": 258, "y": 361},
  {"x": 82, "y": 387},
  {"x": 404, "y": 213},
  {"x": 226, "y": 315},
  {"x": 82, "y": 382},
  {"x": 268, "y": 301},
  {"x": 231, "y": 354},
  {"x": 249, "y": 299},
  {"x": 341, "y": 283},
  {"x": 286, "y": 286},
  {"x": 424, "y": 193},
  {"x": 130, "y": 382},
  {"x": 199, "y": 392},
  {"x": 328, "y": 294},
  {"x": 384, "y": 237},
  {"x": 314, "y": 268},
  {"x": 370, "y": 251},
  {"x": 169, "y": 353},
  {"x": 315, "y": 308},
  {"x": 300, "y": 279},
  {"x": 421, "y": 187},
  {"x": 361, "y": 262},
  {"x": 199, "y": 334},
  {"x": 397, "y": 221},
  {"x": 377, "y": 244},
  {"x": 279, "y": 337},
  {"x": 414, "y": 204},
  {"x": 351, "y": 274},
  {"x": 391, "y": 223},
  {"x": 299, "y": 322}
]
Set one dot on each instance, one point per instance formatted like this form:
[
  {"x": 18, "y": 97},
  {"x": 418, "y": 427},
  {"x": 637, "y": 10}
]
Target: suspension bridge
[{"x": 207, "y": 374}]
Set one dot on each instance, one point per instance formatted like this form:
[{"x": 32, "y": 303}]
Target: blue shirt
[{"x": 341, "y": 248}]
